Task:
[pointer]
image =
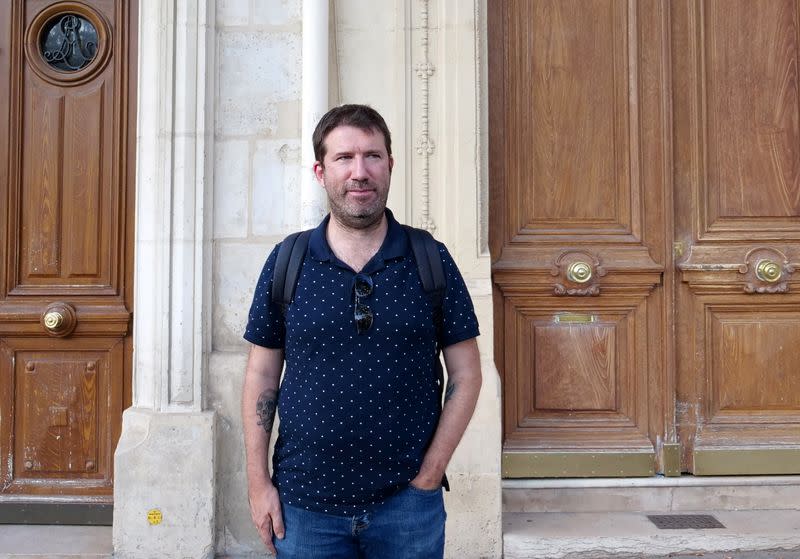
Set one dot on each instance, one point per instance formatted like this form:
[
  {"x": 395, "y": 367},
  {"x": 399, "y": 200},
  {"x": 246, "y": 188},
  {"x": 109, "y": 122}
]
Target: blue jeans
[{"x": 408, "y": 525}]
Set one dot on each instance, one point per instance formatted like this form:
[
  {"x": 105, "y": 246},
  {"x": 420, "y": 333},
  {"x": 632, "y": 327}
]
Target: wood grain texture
[
  {"x": 86, "y": 169},
  {"x": 57, "y": 404},
  {"x": 575, "y": 385},
  {"x": 756, "y": 363},
  {"x": 751, "y": 55},
  {"x": 569, "y": 104},
  {"x": 61, "y": 396},
  {"x": 579, "y": 164},
  {"x": 737, "y": 202},
  {"x": 574, "y": 367},
  {"x": 41, "y": 179},
  {"x": 67, "y": 145}
]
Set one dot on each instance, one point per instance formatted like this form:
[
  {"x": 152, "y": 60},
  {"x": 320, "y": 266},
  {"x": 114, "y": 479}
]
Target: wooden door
[
  {"x": 579, "y": 167},
  {"x": 67, "y": 72},
  {"x": 645, "y": 178},
  {"x": 737, "y": 225}
]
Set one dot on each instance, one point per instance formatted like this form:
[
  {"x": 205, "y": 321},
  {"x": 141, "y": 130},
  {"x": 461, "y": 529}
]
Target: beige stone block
[
  {"x": 165, "y": 462},
  {"x": 233, "y": 12},
  {"x": 289, "y": 118},
  {"x": 237, "y": 267},
  {"x": 256, "y": 70},
  {"x": 365, "y": 15},
  {"x": 474, "y": 520},
  {"x": 364, "y": 75},
  {"x": 276, "y": 187},
  {"x": 237, "y": 118},
  {"x": 235, "y": 532},
  {"x": 231, "y": 185},
  {"x": 259, "y": 65},
  {"x": 479, "y": 449},
  {"x": 277, "y": 12},
  {"x": 236, "y": 535}
]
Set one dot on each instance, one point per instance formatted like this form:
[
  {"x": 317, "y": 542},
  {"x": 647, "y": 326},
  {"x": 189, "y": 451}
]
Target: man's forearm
[
  {"x": 259, "y": 406},
  {"x": 258, "y": 432},
  {"x": 461, "y": 395}
]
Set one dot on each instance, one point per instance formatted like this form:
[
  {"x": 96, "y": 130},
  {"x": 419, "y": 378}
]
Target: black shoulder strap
[
  {"x": 434, "y": 283},
  {"x": 429, "y": 262},
  {"x": 290, "y": 258},
  {"x": 430, "y": 269}
]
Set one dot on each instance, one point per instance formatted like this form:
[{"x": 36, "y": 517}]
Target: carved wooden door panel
[
  {"x": 737, "y": 228},
  {"x": 67, "y": 72},
  {"x": 578, "y": 168},
  {"x": 645, "y": 236}
]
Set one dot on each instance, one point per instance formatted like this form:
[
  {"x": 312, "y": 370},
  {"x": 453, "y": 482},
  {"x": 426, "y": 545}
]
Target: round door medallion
[{"x": 68, "y": 43}]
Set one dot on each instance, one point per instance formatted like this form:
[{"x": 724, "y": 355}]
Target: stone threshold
[{"x": 656, "y": 494}]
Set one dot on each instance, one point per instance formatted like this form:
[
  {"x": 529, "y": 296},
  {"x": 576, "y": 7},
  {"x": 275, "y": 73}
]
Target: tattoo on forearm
[
  {"x": 449, "y": 391},
  {"x": 265, "y": 409}
]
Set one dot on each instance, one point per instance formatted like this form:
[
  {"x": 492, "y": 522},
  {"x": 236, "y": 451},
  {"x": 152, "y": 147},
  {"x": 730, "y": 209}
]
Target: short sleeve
[
  {"x": 265, "y": 324},
  {"x": 459, "y": 322}
]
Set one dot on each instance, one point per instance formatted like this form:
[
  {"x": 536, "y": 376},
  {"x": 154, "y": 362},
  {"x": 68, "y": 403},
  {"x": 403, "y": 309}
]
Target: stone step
[
  {"x": 55, "y": 542},
  {"x": 686, "y": 493},
  {"x": 568, "y": 535},
  {"x": 599, "y": 518}
]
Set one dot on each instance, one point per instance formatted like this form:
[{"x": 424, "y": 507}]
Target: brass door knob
[
  {"x": 59, "y": 319},
  {"x": 579, "y": 272},
  {"x": 53, "y": 320},
  {"x": 768, "y": 271}
]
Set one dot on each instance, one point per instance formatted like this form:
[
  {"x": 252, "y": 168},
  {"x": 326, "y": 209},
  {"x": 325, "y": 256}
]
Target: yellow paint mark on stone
[{"x": 154, "y": 517}]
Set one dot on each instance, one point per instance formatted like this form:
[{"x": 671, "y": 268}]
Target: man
[{"x": 362, "y": 448}]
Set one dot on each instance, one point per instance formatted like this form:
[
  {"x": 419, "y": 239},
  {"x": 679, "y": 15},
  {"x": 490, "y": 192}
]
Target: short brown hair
[{"x": 363, "y": 117}]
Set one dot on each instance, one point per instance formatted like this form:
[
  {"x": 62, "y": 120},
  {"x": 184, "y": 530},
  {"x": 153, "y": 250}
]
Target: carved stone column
[{"x": 164, "y": 462}]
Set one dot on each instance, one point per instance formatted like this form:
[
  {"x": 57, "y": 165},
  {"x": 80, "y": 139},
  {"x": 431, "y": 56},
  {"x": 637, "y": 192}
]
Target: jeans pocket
[{"x": 428, "y": 492}]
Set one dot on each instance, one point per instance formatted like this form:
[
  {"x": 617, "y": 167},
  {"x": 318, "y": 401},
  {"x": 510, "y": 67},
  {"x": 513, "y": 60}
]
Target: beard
[{"x": 353, "y": 214}]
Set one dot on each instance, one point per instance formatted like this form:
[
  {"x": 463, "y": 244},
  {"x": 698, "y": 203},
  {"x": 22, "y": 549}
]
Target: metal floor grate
[{"x": 684, "y": 521}]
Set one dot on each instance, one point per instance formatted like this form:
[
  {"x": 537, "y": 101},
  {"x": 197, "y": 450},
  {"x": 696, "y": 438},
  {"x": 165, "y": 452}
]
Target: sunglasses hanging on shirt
[{"x": 362, "y": 287}]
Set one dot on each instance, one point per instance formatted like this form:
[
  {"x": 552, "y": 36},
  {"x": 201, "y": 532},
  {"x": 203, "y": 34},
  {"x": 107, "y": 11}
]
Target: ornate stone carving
[{"x": 425, "y": 146}]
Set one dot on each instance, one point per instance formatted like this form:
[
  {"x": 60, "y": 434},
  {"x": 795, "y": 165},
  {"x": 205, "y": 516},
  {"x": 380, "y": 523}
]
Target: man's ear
[
  {"x": 319, "y": 173},
  {"x": 391, "y": 164}
]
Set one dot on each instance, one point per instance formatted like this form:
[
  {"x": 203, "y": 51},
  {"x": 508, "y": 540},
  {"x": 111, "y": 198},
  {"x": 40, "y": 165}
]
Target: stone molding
[
  {"x": 425, "y": 145},
  {"x": 164, "y": 462},
  {"x": 172, "y": 270}
]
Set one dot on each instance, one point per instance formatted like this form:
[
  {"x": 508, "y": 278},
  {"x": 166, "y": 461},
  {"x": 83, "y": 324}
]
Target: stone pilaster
[{"x": 165, "y": 458}]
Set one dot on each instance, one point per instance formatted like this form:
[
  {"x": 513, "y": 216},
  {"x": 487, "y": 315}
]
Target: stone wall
[{"x": 256, "y": 203}]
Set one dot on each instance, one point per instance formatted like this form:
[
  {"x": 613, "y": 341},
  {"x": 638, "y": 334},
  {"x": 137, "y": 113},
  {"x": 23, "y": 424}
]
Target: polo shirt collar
[{"x": 395, "y": 245}]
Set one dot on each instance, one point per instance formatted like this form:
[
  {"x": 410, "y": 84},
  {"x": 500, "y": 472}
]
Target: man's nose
[{"x": 359, "y": 170}]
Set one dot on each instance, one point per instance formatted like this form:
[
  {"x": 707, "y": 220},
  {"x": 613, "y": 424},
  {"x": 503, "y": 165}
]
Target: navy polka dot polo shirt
[{"x": 357, "y": 410}]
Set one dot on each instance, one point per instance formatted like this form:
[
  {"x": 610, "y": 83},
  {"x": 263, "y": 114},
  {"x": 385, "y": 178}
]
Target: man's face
[{"x": 355, "y": 173}]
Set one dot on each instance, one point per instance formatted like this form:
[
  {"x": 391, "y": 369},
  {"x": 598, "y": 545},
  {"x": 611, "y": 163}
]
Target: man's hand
[
  {"x": 265, "y": 510},
  {"x": 426, "y": 483}
]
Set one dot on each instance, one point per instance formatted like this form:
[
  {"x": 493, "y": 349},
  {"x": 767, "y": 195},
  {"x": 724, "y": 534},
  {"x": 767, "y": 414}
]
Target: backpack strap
[
  {"x": 430, "y": 269},
  {"x": 434, "y": 283},
  {"x": 291, "y": 255},
  {"x": 429, "y": 261}
]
